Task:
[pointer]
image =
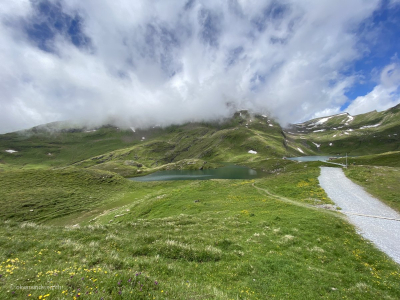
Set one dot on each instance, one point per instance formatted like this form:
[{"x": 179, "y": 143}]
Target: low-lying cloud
[{"x": 143, "y": 63}]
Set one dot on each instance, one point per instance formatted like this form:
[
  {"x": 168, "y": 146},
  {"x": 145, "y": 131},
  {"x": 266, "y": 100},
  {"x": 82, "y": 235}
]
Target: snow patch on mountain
[
  {"x": 322, "y": 121},
  {"x": 317, "y": 145},
  {"x": 349, "y": 119},
  {"x": 11, "y": 151},
  {"x": 370, "y": 126}
]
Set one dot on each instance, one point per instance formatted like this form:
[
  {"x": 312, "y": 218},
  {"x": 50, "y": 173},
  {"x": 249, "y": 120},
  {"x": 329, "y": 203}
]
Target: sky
[{"x": 144, "y": 63}]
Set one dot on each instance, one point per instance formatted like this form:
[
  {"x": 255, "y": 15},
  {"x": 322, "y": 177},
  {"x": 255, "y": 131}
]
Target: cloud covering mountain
[{"x": 142, "y": 63}]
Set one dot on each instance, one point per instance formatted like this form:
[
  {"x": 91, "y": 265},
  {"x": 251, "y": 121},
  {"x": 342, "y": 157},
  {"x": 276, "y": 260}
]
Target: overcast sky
[{"x": 143, "y": 63}]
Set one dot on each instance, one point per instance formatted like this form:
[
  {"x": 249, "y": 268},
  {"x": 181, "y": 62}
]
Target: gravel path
[{"x": 375, "y": 221}]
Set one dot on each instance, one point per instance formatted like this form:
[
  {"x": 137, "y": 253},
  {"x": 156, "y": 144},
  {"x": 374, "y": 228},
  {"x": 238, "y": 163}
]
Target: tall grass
[{"x": 234, "y": 242}]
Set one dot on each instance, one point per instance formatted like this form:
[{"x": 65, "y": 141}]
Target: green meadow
[
  {"x": 72, "y": 226},
  {"x": 104, "y": 236}
]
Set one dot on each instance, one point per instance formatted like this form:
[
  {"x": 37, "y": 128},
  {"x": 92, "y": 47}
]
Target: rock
[
  {"x": 328, "y": 206},
  {"x": 129, "y": 163},
  {"x": 133, "y": 163}
]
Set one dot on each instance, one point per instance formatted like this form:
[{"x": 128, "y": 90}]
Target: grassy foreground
[{"x": 217, "y": 239}]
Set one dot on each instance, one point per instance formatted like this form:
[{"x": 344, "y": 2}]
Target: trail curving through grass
[{"x": 359, "y": 206}]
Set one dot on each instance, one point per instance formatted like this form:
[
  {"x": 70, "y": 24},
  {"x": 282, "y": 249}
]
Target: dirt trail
[{"x": 374, "y": 220}]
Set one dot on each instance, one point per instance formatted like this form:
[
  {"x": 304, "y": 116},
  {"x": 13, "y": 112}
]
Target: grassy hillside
[
  {"x": 46, "y": 146},
  {"x": 217, "y": 239},
  {"x": 43, "y": 195},
  {"x": 70, "y": 219},
  {"x": 390, "y": 159},
  {"x": 199, "y": 145},
  {"x": 130, "y": 153},
  {"x": 370, "y": 133}
]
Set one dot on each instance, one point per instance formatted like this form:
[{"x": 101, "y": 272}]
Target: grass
[
  {"x": 41, "y": 148},
  {"x": 341, "y": 134},
  {"x": 234, "y": 242},
  {"x": 69, "y": 220},
  {"x": 356, "y": 142},
  {"x": 299, "y": 182},
  {"x": 390, "y": 159},
  {"x": 126, "y": 152},
  {"x": 51, "y": 194}
]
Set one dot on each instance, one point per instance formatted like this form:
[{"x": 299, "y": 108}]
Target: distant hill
[
  {"x": 245, "y": 139},
  {"x": 369, "y": 133},
  {"x": 135, "y": 151}
]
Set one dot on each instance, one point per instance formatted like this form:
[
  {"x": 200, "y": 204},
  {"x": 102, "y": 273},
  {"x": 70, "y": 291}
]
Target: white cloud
[
  {"x": 383, "y": 96},
  {"x": 390, "y": 76},
  {"x": 15, "y": 8},
  {"x": 378, "y": 99},
  {"x": 158, "y": 63}
]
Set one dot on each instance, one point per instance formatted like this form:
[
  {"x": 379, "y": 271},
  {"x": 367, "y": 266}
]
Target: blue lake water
[{"x": 227, "y": 172}]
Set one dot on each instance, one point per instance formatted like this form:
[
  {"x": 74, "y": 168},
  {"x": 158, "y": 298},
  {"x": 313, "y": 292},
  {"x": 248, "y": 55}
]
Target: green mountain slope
[
  {"x": 130, "y": 152},
  {"x": 51, "y": 146},
  {"x": 199, "y": 145},
  {"x": 69, "y": 220},
  {"x": 214, "y": 239},
  {"x": 370, "y": 133}
]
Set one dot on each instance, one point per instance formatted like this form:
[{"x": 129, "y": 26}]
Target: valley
[{"x": 71, "y": 218}]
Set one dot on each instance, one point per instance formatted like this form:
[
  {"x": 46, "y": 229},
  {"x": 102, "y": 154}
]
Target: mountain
[
  {"x": 137, "y": 151},
  {"x": 369, "y": 133},
  {"x": 69, "y": 218},
  {"x": 245, "y": 139}
]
